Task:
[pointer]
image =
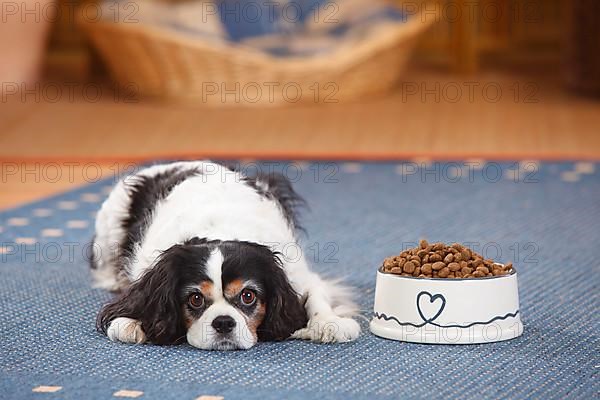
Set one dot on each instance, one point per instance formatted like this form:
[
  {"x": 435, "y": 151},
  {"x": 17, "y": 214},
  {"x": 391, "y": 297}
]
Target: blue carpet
[{"x": 545, "y": 217}]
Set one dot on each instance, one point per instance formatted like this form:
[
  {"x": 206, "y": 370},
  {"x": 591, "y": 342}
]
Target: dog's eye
[
  {"x": 248, "y": 297},
  {"x": 196, "y": 300}
]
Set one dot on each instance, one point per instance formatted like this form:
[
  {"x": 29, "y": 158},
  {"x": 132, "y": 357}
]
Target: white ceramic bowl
[{"x": 446, "y": 311}]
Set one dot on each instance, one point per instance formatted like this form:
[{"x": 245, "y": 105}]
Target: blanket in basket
[{"x": 282, "y": 28}]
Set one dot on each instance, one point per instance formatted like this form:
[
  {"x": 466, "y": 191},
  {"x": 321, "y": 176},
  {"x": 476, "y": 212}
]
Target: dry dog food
[{"x": 439, "y": 260}]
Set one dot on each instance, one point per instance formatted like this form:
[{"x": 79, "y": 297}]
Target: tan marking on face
[
  {"x": 257, "y": 317},
  {"x": 206, "y": 288},
  {"x": 233, "y": 288}
]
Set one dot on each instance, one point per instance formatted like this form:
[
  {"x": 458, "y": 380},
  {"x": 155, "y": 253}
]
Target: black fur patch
[
  {"x": 145, "y": 193},
  {"x": 277, "y": 186}
]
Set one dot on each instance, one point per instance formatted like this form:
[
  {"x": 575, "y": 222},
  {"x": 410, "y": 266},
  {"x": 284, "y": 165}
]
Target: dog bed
[{"x": 268, "y": 53}]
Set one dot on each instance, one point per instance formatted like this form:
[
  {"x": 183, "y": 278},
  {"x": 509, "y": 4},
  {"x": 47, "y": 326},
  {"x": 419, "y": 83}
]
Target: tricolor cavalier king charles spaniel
[{"x": 195, "y": 250}]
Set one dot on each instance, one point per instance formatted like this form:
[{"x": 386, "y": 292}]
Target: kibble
[
  {"x": 438, "y": 266},
  {"x": 435, "y": 257},
  {"x": 444, "y": 272},
  {"x": 409, "y": 267},
  {"x": 426, "y": 269},
  {"x": 416, "y": 260},
  {"x": 466, "y": 270},
  {"x": 454, "y": 266},
  {"x": 438, "y": 260},
  {"x": 483, "y": 270}
]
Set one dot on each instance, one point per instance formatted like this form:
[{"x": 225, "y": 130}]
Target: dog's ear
[
  {"x": 285, "y": 312},
  {"x": 154, "y": 301}
]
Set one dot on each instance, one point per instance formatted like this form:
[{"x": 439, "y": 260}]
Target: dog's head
[{"x": 219, "y": 295}]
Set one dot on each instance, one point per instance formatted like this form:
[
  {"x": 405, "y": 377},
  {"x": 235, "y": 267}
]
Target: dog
[{"x": 196, "y": 251}]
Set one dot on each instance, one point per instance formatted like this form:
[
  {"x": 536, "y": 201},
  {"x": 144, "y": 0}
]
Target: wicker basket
[{"x": 161, "y": 63}]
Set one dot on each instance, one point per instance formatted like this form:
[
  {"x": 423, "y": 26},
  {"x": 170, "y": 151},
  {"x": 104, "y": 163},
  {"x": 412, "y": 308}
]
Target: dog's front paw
[
  {"x": 126, "y": 330},
  {"x": 329, "y": 329}
]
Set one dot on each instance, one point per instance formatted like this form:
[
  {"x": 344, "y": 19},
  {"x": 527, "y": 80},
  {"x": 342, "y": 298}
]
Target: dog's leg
[
  {"x": 126, "y": 330},
  {"x": 106, "y": 266},
  {"x": 329, "y": 309}
]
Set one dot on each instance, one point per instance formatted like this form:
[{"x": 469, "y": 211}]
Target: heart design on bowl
[{"x": 430, "y": 306}]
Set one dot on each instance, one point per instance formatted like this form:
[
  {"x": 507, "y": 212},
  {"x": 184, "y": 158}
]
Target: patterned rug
[{"x": 544, "y": 217}]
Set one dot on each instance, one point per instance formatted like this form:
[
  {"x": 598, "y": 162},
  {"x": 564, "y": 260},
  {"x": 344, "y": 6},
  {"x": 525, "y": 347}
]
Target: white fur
[
  {"x": 126, "y": 330},
  {"x": 202, "y": 334},
  {"x": 218, "y": 205},
  {"x": 109, "y": 229},
  {"x": 214, "y": 269},
  {"x": 109, "y": 233}
]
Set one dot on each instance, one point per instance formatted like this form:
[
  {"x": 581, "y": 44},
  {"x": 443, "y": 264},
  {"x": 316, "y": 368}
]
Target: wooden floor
[{"x": 431, "y": 114}]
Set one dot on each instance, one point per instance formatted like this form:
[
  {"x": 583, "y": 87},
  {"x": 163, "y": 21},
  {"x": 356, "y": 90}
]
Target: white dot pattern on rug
[
  {"x": 209, "y": 397},
  {"x": 42, "y": 212},
  {"x": 6, "y": 250},
  {"x": 579, "y": 169},
  {"x": 132, "y": 394},
  {"x": 412, "y": 167},
  {"x": 454, "y": 172},
  {"x": 25, "y": 240},
  {"x": 570, "y": 176},
  {"x": 90, "y": 197},
  {"x": 529, "y": 165},
  {"x": 67, "y": 205},
  {"x": 18, "y": 221},
  {"x": 475, "y": 163},
  {"x": 511, "y": 175},
  {"x": 77, "y": 224},
  {"x": 403, "y": 169},
  {"x": 46, "y": 389},
  {"x": 585, "y": 167},
  {"x": 423, "y": 162},
  {"x": 302, "y": 165},
  {"x": 52, "y": 232},
  {"x": 351, "y": 167}
]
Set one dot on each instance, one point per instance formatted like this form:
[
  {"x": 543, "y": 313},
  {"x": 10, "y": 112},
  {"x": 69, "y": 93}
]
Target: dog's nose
[{"x": 223, "y": 324}]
